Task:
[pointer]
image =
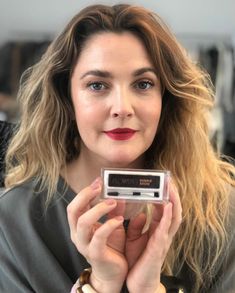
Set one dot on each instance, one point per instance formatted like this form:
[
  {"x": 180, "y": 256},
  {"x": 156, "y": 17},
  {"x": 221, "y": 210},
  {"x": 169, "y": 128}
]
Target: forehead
[{"x": 114, "y": 49}]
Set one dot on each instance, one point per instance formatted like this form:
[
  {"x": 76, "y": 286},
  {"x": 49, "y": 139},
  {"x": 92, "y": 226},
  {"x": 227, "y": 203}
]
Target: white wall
[{"x": 27, "y": 19}]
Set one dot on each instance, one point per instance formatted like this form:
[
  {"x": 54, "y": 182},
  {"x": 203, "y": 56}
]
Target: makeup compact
[{"x": 136, "y": 185}]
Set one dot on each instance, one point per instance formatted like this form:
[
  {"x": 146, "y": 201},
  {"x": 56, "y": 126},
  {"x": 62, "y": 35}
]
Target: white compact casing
[{"x": 139, "y": 185}]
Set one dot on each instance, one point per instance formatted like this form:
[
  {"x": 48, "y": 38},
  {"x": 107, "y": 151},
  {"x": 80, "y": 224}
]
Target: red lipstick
[{"x": 120, "y": 133}]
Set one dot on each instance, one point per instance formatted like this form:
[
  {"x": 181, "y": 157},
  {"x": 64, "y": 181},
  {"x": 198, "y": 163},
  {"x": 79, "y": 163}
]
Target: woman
[{"x": 115, "y": 89}]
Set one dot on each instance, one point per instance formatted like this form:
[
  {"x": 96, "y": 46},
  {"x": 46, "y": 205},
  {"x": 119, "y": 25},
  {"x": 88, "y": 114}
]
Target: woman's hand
[
  {"x": 146, "y": 252},
  {"x": 101, "y": 244}
]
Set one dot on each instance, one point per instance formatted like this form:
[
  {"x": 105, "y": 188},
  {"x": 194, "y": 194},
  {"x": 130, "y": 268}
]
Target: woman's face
[{"x": 117, "y": 100}]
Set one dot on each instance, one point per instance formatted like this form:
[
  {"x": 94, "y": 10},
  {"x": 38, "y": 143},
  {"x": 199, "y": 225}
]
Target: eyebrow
[
  {"x": 144, "y": 70},
  {"x": 107, "y": 74}
]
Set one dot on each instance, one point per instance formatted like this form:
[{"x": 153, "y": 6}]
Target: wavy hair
[{"x": 47, "y": 137}]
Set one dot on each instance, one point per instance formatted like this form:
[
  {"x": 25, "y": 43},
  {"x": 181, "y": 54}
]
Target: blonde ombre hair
[{"x": 47, "y": 137}]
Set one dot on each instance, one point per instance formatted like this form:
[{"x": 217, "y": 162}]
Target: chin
[{"x": 123, "y": 161}]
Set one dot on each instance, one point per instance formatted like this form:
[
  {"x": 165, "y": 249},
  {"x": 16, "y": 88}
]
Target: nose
[{"x": 122, "y": 104}]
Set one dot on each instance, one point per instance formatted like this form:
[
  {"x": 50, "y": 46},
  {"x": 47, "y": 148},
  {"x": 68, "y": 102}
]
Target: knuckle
[
  {"x": 97, "y": 235},
  {"x": 74, "y": 239},
  {"x": 70, "y": 209},
  {"x": 82, "y": 222},
  {"x": 80, "y": 247},
  {"x": 165, "y": 238}
]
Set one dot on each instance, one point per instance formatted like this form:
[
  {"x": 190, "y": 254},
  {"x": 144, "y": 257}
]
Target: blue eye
[
  {"x": 96, "y": 86},
  {"x": 144, "y": 84}
]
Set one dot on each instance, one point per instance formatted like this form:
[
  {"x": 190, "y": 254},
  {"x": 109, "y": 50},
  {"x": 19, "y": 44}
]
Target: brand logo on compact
[{"x": 145, "y": 182}]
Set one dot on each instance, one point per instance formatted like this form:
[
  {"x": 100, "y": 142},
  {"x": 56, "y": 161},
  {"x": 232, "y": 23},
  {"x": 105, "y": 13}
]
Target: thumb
[{"x": 135, "y": 227}]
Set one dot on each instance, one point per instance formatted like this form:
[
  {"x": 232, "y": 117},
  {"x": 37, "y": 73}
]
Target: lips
[{"x": 120, "y": 133}]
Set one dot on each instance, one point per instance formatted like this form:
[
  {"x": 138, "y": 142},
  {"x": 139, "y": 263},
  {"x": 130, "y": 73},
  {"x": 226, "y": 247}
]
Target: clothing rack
[
  {"x": 216, "y": 53},
  {"x": 206, "y": 40}
]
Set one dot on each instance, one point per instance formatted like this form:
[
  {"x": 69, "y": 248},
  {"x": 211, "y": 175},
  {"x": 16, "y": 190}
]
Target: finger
[
  {"x": 118, "y": 210},
  {"x": 160, "y": 241},
  {"x": 87, "y": 221},
  {"x": 166, "y": 220},
  {"x": 81, "y": 203},
  {"x": 136, "y": 226},
  {"x": 157, "y": 214},
  {"x": 157, "y": 246},
  {"x": 101, "y": 235},
  {"x": 177, "y": 209}
]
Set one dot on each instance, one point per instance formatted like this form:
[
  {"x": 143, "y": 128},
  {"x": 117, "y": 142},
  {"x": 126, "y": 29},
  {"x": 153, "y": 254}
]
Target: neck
[{"x": 84, "y": 170}]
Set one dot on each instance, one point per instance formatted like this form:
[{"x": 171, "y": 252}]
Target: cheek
[
  {"x": 153, "y": 114},
  {"x": 88, "y": 114},
  {"x": 82, "y": 106}
]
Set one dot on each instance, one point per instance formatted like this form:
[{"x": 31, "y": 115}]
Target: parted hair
[{"x": 47, "y": 138}]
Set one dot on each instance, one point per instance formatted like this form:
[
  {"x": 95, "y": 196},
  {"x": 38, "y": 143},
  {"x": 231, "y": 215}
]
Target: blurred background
[{"x": 206, "y": 29}]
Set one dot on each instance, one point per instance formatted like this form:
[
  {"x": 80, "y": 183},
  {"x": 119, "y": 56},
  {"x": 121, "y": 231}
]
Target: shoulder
[
  {"x": 26, "y": 203},
  {"x": 17, "y": 205},
  {"x": 17, "y": 196},
  {"x": 23, "y": 207},
  {"x": 28, "y": 226},
  {"x": 24, "y": 214}
]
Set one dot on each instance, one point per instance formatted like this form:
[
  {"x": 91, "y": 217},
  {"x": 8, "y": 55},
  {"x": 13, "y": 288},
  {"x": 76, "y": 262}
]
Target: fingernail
[
  {"x": 96, "y": 184},
  {"x": 110, "y": 202},
  {"x": 119, "y": 218}
]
